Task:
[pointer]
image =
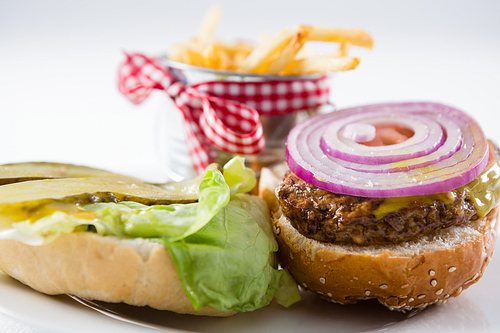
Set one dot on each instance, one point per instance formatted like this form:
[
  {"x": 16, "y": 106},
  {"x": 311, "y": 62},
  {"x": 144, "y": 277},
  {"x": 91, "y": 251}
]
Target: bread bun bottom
[
  {"x": 402, "y": 276},
  {"x": 134, "y": 271}
]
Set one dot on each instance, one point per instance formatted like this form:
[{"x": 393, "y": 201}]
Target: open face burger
[
  {"x": 200, "y": 247},
  {"x": 396, "y": 202}
]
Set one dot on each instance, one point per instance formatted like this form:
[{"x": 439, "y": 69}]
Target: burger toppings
[
  {"x": 445, "y": 149},
  {"x": 360, "y": 132}
]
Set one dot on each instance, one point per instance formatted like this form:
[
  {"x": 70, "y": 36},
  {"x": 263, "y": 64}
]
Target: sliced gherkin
[
  {"x": 20, "y": 172},
  {"x": 89, "y": 190}
]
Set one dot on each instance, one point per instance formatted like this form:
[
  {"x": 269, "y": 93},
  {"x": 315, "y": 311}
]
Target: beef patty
[{"x": 338, "y": 218}]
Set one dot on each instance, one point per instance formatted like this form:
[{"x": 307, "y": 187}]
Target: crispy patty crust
[{"x": 337, "y": 218}]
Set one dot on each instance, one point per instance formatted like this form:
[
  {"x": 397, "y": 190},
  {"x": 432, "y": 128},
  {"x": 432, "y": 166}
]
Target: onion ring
[{"x": 448, "y": 150}]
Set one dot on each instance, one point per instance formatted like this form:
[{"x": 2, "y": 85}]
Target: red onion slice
[
  {"x": 428, "y": 137},
  {"x": 359, "y": 132},
  {"x": 448, "y": 150}
]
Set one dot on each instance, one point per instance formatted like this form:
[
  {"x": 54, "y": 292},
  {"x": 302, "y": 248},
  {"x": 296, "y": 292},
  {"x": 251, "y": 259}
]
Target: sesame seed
[
  {"x": 447, "y": 295},
  {"x": 277, "y": 231},
  {"x": 459, "y": 290},
  {"x": 367, "y": 293},
  {"x": 383, "y": 286},
  {"x": 433, "y": 282},
  {"x": 304, "y": 285},
  {"x": 405, "y": 286},
  {"x": 322, "y": 280},
  {"x": 473, "y": 278},
  {"x": 421, "y": 296},
  {"x": 439, "y": 292},
  {"x": 452, "y": 269},
  {"x": 432, "y": 272},
  {"x": 320, "y": 292},
  {"x": 329, "y": 295},
  {"x": 411, "y": 300}
]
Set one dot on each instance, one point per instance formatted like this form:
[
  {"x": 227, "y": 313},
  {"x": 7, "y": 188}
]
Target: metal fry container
[{"x": 171, "y": 135}]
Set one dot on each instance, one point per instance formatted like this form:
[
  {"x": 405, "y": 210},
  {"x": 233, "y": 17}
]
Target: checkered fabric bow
[{"x": 220, "y": 114}]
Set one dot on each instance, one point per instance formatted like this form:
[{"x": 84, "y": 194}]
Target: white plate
[{"x": 476, "y": 310}]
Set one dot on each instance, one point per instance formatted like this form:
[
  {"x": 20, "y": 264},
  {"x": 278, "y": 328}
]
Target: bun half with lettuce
[{"x": 198, "y": 247}]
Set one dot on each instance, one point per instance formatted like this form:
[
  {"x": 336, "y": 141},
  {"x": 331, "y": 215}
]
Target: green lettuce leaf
[
  {"x": 187, "y": 188},
  {"x": 229, "y": 264},
  {"x": 239, "y": 178},
  {"x": 45, "y": 229}
]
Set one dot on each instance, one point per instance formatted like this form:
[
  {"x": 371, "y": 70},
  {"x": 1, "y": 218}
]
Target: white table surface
[{"x": 58, "y": 60}]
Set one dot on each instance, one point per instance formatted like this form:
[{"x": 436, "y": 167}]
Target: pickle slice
[
  {"x": 89, "y": 190},
  {"x": 21, "y": 172}
]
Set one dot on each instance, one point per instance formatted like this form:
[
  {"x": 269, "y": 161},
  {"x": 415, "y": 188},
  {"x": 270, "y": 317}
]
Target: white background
[{"x": 58, "y": 60}]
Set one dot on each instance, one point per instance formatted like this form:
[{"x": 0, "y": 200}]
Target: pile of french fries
[{"x": 281, "y": 54}]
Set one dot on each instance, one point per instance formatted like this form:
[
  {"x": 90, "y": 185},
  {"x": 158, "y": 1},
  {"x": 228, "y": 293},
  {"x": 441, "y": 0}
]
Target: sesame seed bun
[
  {"x": 403, "y": 276},
  {"x": 135, "y": 271}
]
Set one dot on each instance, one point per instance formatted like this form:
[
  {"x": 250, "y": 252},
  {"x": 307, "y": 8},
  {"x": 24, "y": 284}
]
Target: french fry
[
  {"x": 304, "y": 52},
  {"x": 261, "y": 56},
  {"x": 320, "y": 64},
  {"x": 226, "y": 59},
  {"x": 290, "y": 50},
  {"x": 343, "y": 50},
  {"x": 216, "y": 57},
  {"x": 211, "y": 57},
  {"x": 354, "y": 36},
  {"x": 237, "y": 59},
  {"x": 238, "y": 47},
  {"x": 209, "y": 24},
  {"x": 176, "y": 52},
  {"x": 234, "y": 53},
  {"x": 187, "y": 53}
]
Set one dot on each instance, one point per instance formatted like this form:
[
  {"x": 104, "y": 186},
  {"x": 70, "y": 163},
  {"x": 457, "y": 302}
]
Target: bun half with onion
[{"x": 397, "y": 202}]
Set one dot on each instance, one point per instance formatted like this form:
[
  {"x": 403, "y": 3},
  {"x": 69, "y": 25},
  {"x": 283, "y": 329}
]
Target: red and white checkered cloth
[{"x": 220, "y": 114}]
